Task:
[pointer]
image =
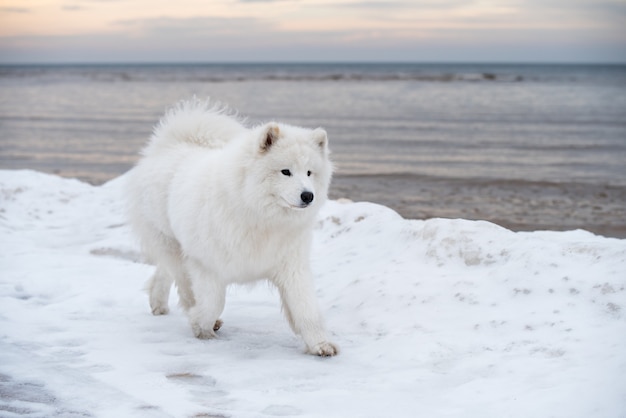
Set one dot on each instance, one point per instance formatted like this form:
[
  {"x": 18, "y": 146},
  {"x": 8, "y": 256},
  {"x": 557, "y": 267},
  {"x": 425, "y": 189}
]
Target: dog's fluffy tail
[{"x": 195, "y": 122}]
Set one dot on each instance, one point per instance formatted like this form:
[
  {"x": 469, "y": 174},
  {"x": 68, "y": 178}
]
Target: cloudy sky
[{"x": 312, "y": 30}]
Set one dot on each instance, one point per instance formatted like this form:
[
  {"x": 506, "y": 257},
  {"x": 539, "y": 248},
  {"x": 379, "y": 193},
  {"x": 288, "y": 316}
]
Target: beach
[
  {"x": 516, "y": 205},
  {"x": 526, "y": 147}
]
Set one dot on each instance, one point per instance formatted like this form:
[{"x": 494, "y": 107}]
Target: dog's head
[{"x": 292, "y": 167}]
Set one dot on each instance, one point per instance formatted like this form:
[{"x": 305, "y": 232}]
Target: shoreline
[{"x": 515, "y": 205}]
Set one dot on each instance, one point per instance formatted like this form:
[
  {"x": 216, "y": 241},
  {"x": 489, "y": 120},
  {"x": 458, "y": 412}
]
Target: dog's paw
[
  {"x": 202, "y": 333},
  {"x": 160, "y": 310},
  {"x": 325, "y": 349},
  {"x": 218, "y": 325}
]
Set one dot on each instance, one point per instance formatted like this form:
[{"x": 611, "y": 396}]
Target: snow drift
[{"x": 435, "y": 318}]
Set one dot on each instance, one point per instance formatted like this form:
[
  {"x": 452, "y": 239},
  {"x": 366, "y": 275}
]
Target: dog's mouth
[{"x": 290, "y": 205}]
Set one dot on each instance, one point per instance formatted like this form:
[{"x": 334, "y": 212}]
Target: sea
[{"x": 525, "y": 146}]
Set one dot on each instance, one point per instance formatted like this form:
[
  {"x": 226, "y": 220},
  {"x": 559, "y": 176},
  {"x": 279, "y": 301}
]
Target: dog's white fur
[{"x": 213, "y": 204}]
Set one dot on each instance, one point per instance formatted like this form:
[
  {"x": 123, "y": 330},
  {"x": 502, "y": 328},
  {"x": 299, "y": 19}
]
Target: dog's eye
[
  {"x": 286, "y": 172},
  {"x": 308, "y": 173}
]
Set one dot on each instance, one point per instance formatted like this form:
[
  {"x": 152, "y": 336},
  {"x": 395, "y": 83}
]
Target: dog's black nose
[{"x": 307, "y": 197}]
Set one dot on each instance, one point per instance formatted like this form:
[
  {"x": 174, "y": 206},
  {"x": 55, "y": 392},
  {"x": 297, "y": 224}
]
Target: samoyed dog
[{"x": 215, "y": 203}]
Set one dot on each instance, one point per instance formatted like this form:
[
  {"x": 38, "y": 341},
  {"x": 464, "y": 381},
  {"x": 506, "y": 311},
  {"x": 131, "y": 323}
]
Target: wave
[
  {"x": 217, "y": 73},
  {"x": 211, "y": 74},
  {"x": 363, "y": 77},
  {"x": 442, "y": 78}
]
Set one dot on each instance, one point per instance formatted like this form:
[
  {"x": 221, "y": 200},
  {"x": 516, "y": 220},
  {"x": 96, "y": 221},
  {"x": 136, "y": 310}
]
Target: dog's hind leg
[
  {"x": 159, "y": 290},
  {"x": 185, "y": 293},
  {"x": 169, "y": 268}
]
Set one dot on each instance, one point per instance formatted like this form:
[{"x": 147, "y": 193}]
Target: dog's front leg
[
  {"x": 209, "y": 294},
  {"x": 300, "y": 307}
]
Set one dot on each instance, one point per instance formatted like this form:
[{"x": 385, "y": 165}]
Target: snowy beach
[{"x": 434, "y": 317}]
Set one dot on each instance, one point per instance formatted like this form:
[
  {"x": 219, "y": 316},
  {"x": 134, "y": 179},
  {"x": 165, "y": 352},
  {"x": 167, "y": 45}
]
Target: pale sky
[{"x": 44, "y": 31}]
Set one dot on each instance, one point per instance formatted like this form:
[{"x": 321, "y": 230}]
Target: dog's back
[{"x": 194, "y": 122}]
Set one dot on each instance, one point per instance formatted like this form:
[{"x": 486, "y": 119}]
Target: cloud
[
  {"x": 402, "y": 37},
  {"x": 14, "y": 10},
  {"x": 586, "y": 6},
  {"x": 412, "y": 5},
  {"x": 194, "y": 27},
  {"x": 460, "y": 45},
  {"x": 72, "y": 7},
  {"x": 160, "y": 22},
  {"x": 264, "y": 1}
]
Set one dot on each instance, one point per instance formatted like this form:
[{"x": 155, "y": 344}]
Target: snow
[{"x": 435, "y": 318}]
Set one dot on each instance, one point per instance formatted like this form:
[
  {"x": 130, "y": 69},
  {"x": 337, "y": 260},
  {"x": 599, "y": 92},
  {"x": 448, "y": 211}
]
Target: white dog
[{"x": 216, "y": 203}]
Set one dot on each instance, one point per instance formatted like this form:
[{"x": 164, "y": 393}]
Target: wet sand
[
  {"x": 516, "y": 205},
  {"x": 513, "y": 204}
]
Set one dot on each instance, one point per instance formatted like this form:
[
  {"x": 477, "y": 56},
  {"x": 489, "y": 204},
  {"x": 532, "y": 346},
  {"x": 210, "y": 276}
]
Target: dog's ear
[
  {"x": 271, "y": 132},
  {"x": 321, "y": 139}
]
